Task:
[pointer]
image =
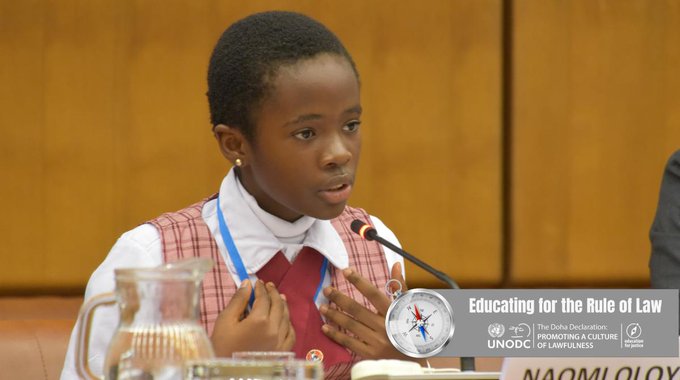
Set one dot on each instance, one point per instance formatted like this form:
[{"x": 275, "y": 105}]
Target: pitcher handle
[{"x": 83, "y": 342}]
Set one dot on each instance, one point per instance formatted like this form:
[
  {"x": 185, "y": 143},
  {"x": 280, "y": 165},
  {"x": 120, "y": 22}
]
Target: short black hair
[{"x": 248, "y": 55}]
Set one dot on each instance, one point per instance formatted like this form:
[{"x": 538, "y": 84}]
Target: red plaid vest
[{"x": 184, "y": 234}]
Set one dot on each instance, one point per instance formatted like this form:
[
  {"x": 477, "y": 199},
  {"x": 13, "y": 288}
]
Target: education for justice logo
[{"x": 634, "y": 336}]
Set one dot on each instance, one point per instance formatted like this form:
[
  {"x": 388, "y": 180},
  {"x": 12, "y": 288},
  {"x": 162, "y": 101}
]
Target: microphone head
[{"x": 364, "y": 230}]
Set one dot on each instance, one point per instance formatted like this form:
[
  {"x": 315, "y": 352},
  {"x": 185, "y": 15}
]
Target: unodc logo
[{"x": 496, "y": 330}]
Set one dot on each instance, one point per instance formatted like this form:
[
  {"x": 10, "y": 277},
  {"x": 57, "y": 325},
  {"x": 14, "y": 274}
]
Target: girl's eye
[
  {"x": 304, "y": 134},
  {"x": 352, "y": 126}
]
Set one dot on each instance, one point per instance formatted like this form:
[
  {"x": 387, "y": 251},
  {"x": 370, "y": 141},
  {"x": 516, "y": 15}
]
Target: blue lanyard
[{"x": 236, "y": 257}]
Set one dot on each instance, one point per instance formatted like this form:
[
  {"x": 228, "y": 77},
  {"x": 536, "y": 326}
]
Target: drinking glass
[
  {"x": 263, "y": 355},
  {"x": 237, "y": 369}
]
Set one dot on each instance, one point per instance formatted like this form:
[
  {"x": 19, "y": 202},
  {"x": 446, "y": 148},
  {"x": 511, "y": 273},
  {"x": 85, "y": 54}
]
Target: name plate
[
  {"x": 563, "y": 323},
  {"x": 591, "y": 369}
]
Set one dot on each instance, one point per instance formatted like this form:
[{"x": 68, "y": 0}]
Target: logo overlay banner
[{"x": 563, "y": 323}]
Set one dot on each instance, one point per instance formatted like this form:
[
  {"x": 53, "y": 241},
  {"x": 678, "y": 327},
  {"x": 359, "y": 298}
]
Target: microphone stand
[
  {"x": 467, "y": 364},
  {"x": 440, "y": 275}
]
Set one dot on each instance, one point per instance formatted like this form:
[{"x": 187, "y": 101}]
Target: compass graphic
[{"x": 419, "y": 323}]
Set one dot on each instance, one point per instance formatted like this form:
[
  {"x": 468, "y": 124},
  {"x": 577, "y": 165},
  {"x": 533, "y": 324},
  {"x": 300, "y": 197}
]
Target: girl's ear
[{"x": 232, "y": 142}]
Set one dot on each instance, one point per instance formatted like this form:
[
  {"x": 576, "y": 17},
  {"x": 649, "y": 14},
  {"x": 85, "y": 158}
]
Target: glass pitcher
[{"x": 158, "y": 329}]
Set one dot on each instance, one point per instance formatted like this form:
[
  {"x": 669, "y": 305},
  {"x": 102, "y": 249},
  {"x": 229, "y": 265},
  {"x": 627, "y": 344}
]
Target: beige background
[
  {"x": 596, "y": 114},
  {"x": 104, "y": 124}
]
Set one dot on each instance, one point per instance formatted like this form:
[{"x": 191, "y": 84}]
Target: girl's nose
[{"x": 336, "y": 153}]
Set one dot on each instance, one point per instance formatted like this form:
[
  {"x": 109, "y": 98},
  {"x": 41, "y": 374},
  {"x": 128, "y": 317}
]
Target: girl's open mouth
[{"x": 337, "y": 194}]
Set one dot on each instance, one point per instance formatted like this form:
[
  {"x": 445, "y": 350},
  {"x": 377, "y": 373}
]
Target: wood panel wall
[
  {"x": 595, "y": 116},
  {"x": 104, "y": 124}
]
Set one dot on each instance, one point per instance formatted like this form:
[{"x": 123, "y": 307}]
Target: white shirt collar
[{"x": 255, "y": 231}]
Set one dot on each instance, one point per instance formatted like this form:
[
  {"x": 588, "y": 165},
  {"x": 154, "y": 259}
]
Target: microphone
[{"x": 367, "y": 232}]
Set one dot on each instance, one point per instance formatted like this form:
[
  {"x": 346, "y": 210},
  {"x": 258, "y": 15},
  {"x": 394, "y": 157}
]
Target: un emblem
[{"x": 496, "y": 330}]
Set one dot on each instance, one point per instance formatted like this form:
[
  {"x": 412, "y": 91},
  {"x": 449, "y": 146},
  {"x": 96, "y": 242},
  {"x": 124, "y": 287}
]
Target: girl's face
[{"x": 307, "y": 141}]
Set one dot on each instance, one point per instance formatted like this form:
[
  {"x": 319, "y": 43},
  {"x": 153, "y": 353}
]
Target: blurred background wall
[{"x": 510, "y": 143}]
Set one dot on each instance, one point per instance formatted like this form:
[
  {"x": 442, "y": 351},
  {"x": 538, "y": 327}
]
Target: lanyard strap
[
  {"x": 231, "y": 249},
  {"x": 238, "y": 262},
  {"x": 324, "y": 265}
]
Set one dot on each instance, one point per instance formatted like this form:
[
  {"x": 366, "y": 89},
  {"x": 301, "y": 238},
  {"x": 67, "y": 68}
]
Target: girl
[{"x": 286, "y": 112}]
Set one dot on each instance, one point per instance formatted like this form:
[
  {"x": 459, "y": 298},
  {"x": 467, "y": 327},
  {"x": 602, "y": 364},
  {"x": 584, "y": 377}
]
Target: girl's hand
[
  {"x": 370, "y": 340},
  {"x": 266, "y": 328}
]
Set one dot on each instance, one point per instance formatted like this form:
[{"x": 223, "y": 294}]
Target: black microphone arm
[{"x": 369, "y": 233}]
